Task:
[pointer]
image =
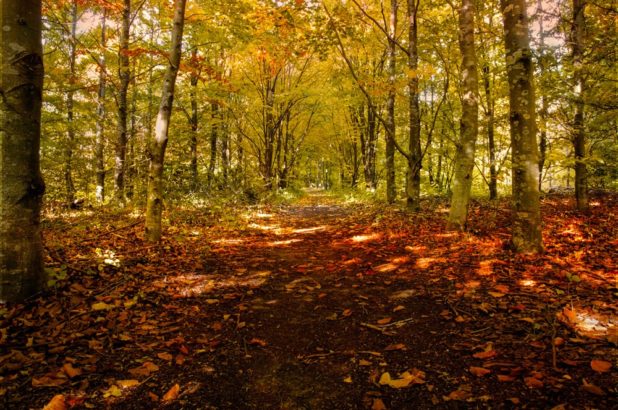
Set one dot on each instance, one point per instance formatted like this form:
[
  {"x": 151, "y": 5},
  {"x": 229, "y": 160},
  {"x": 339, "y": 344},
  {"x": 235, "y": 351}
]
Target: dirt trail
[{"x": 309, "y": 306}]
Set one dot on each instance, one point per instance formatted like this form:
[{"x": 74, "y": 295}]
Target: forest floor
[{"x": 319, "y": 305}]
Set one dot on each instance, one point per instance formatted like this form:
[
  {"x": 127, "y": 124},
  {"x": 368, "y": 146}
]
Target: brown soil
[{"x": 306, "y": 307}]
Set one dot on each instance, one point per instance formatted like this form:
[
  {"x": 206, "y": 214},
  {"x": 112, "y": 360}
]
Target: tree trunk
[
  {"x": 464, "y": 161},
  {"x": 579, "y": 82},
  {"x": 70, "y": 145},
  {"x": 543, "y": 110},
  {"x": 491, "y": 142},
  {"x": 100, "y": 127},
  {"x": 527, "y": 235},
  {"x": 413, "y": 176},
  {"x": 371, "y": 176},
  {"x": 21, "y": 184},
  {"x": 124, "y": 73},
  {"x": 194, "y": 121},
  {"x": 154, "y": 205},
  {"x": 391, "y": 189},
  {"x": 214, "y": 133}
]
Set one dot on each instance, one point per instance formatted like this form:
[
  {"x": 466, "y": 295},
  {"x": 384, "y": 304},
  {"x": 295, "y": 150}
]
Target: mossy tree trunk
[
  {"x": 464, "y": 161},
  {"x": 526, "y": 230},
  {"x": 154, "y": 204},
  {"x": 21, "y": 184}
]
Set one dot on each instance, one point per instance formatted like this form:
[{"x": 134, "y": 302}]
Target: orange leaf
[
  {"x": 479, "y": 371},
  {"x": 164, "y": 356},
  {"x": 485, "y": 355},
  {"x": 496, "y": 294},
  {"x": 533, "y": 382},
  {"x": 384, "y": 321},
  {"x": 378, "y": 404},
  {"x": 70, "y": 370},
  {"x": 591, "y": 388},
  {"x": 600, "y": 366},
  {"x": 347, "y": 312},
  {"x": 172, "y": 394},
  {"x": 259, "y": 342},
  {"x": 505, "y": 378},
  {"x": 398, "y": 346},
  {"x": 58, "y": 402}
]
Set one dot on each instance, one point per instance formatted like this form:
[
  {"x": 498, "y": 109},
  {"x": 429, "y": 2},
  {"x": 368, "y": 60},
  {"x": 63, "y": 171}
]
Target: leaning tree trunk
[
  {"x": 391, "y": 190},
  {"x": 413, "y": 177},
  {"x": 527, "y": 235},
  {"x": 154, "y": 204},
  {"x": 21, "y": 184},
  {"x": 124, "y": 73},
  {"x": 464, "y": 161},
  {"x": 579, "y": 133},
  {"x": 70, "y": 144},
  {"x": 99, "y": 157}
]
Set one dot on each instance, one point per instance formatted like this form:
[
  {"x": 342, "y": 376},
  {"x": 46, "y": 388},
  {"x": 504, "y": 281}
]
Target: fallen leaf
[
  {"x": 398, "y": 308},
  {"x": 347, "y": 312},
  {"x": 259, "y": 342},
  {"x": 479, "y": 371},
  {"x": 165, "y": 356},
  {"x": 144, "y": 370},
  {"x": 398, "y": 346},
  {"x": 172, "y": 393},
  {"x": 70, "y": 370},
  {"x": 496, "y": 294},
  {"x": 485, "y": 354},
  {"x": 502, "y": 288},
  {"x": 113, "y": 391},
  {"x": 384, "y": 321},
  {"x": 125, "y": 384},
  {"x": 600, "y": 366},
  {"x": 102, "y": 306},
  {"x": 50, "y": 380},
  {"x": 505, "y": 378},
  {"x": 591, "y": 388},
  {"x": 348, "y": 379},
  {"x": 58, "y": 402},
  {"x": 363, "y": 362},
  {"x": 462, "y": 393},
  {"x": 405, "y": 379},
  {"x": 378, "y": 404},
  {"x": 533, "y": 382}
]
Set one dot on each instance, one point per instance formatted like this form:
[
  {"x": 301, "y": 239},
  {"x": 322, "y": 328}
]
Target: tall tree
[
  {"x": 154, "y": 205},
  {"x": 70, "y": 101},
  {"x": 464, "y": 161},
  {"x": 579, "y": 87},
  {"x": 99, "y": 146},
  {"x": 542, "y": 62},
  {"x": 21, "y": 184},
  {"x": 391, "y": 189},
  {"x": 526, "y": 230},
  {"x": 124, "y": 73},
  {"x": 415, "y": 155}
]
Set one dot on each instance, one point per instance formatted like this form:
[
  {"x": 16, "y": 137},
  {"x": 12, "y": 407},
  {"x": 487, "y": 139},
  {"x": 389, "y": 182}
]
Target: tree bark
[
  {"x": 214, "y": 134},
  {"x": 99, "y": 153},
  {"x": 491, "y": 140},
  {"x": 579, "y": 84},
  {"x": 124, "y": 73},
  {"x": 70, "y": 144},
  {"x": 154, "y": 204},
  {"x": 391, "y": 189},
  {"x": 526, "y": 230},
  {"x": 194, "y": 122},
  {"x": 413, "y": 176},
  {"x": 21, "y": 184},
  {"x": 543, "y": 110},
  {"x": 464, "y": 161}
]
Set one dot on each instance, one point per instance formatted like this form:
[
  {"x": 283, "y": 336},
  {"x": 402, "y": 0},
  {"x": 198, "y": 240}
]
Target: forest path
[{"x": 316, "y": 305}]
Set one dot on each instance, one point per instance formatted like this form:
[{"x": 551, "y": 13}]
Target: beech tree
[
  {"x": 464, "y": 162},
  {"x": 21, "y": 184},
  {"x": 526, "y": 230},
  {"x": 124, "y": 74},
  {"x": 154, "y": 205}
]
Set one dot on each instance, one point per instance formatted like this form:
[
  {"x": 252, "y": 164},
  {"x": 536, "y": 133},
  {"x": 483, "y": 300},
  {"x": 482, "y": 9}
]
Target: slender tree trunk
[
  {"x": 371, "y": 174},
  {"x": 527, "y": 235},
  {"x": 131, "y": 160},
  {"x": 214, "y": 134},
  {"x": 21, "y": 185},
  {"x": 154, "y": 205},
  {"x": 225, "y": 152},
  {"x": 543, "y": 110},
  {"x": 413, "y": 177},
  {"x": 99, "y": 153},
  {"x": 70, "y": 145},
  {"x": 124, "y": 73},
  {"x": 391, "y": 189},
  {"x": 491, "y": 142},
  {"x": 194, "y": 121},
  {"x": 464, "y": 161},
  {"x": 579, "y": 132}
]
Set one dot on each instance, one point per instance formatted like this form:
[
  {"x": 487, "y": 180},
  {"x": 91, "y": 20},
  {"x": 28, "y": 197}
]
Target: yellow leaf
[
  {"x": 125, "y": 384},
  {"x": 363, "y": 362},
  {"x": 600, "y": 366},
  {"x": 113, "y": 391},
  {"x": 57, "y": 403},
  {"x": 102, "y": 306},
  {"x": 172, "y": 394},
  {"x": 405, "y": 379},
  {"x": 496, "y": 294},
  {"x": 348, "y": 379},
  {"x": 398, "y": 308}
]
